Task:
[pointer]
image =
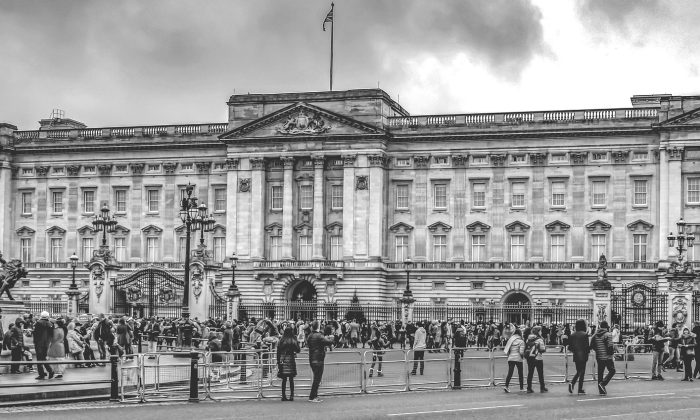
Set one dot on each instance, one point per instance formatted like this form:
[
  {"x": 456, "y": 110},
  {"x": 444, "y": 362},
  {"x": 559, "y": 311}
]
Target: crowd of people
[{"x": 56, "y": 339}]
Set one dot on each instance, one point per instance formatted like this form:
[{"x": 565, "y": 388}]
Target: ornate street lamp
[
  {"x": 408, "y": 293},
  {"x": 203, "y": 222},
  {"x": 188, "y": 214},
  {"x": 104, "y": 223},
  {"x": 73, "y": 291},
  {"x": 73, "y": 264},
  {"x": 684, "y": 238},
  {"x": 232, "y": 294}
]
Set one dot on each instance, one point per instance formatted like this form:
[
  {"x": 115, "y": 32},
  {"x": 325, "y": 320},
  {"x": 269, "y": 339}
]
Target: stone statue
[
  {"x": 602, "y": 282},
  {"x": 11, "y": 272}
]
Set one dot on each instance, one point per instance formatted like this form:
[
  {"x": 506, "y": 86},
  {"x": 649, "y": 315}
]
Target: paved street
[{"x": 626, "y": 400}]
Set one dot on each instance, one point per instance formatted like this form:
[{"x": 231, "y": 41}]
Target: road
[{"x": 630, "y": 399}]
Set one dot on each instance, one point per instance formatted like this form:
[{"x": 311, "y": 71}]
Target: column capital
[
  {"x": 349, "y": 160},
  {"x": 319, "y": 161},
  {"x": 674, "y": 153},
  {"x": 232, "y": 164},
  {"x": 378, "y": 160},
  {"x": 287, "y": 162},
  {"x": 257, "y": 163}
]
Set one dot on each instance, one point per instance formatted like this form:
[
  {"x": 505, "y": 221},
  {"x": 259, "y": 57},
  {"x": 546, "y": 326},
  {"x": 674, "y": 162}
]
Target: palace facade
[{"x": 323, "y": 195}]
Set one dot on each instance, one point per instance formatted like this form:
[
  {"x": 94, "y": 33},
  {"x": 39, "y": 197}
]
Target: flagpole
[{"x": 332, "y": 24}]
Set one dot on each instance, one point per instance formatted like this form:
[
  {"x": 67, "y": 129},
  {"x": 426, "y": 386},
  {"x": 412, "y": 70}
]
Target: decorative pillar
[
  {"x": 377, "y": 204},
  {"x": 257, "y": 209},
  {"x": 199, "y": 289},
  {"x": 602, "y": 293},
  {"x": 680, "y": 295},
  {"x": 407, "y": 300},
  {"x": 318, "y": 208},
  {"x": 232, "y": 189},
  {"x": 663, "y": 204},
  {"x": 99, "y": 288},
  {"x": 349, "y": 206},
  {"x": 287, "y": 208}
]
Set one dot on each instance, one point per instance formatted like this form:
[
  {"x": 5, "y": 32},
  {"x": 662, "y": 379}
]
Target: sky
[{"x": 127, "y": 62}]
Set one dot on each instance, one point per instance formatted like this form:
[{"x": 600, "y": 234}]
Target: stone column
[
  {"x": 675, "y": 192},
  {"x": 663, "y": 204},
  {"x": 232, "y": 188},
  {"x": 349, "y": 206},
  {"x": 6, "y": 194},
  {"x": 680, "y": 296},
  {"x": 257, "y": 209},
  {"x": 377, "y": 203},
  {"x": 287, "y": 208},
  {"x": 319, "y": 208},
  {"x": 100, "y": 288},
  {"x": 199, "y": 290}
]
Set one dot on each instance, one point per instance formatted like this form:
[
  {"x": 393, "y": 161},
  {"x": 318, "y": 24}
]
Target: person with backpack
[
  {"x": 579, "y": 346},
  {"x": 604, "y": 352},
  {"x": 534, "y": 347},
  {"x": 515, "y": 349},
  {"x": 377, "y": 343}
]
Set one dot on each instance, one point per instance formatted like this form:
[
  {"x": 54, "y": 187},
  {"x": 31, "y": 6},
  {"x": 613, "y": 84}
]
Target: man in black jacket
[
  {"x": 43, "y": 334},
  {"x": 579, "y": 345},
  {"x": 317, "y": 355}
]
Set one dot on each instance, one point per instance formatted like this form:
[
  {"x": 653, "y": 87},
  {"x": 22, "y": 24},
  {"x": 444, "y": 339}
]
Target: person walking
[
  {"x": 658, "y": 344},
  {"x": 534, "y": 347},
  {"x": 419, "y": 345},
  {"x": 287, "y": 350},
  {"x": 515, "y": 349},
  {"x": 76, "y": 345},
  {"x": 686, "y": 345},
  {"x": 696, "y": 331},
  {"x": 317, "y": 344},
  {"x": 579, "y": 346},
  {"x": 43, "y": 335},
  {"x": 354, "y": 333},
  {"x": 377, "y": 343},
  {"x": 604, "y": 351},
  {"x": 57, "y": 350}
]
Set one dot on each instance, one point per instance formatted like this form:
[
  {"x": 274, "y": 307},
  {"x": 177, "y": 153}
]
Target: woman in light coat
[
  {"x": 57, "y": 349},
  {"x": 76, "y": 346},
  {"x": 515, "y": 349}
]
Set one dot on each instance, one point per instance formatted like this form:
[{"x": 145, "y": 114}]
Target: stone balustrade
[{"x": 516, "y": 118}]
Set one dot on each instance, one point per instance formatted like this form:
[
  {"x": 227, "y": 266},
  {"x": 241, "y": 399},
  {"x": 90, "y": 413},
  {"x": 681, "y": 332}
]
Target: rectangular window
[
  {"x": 640, "y": 247},
  {"x": 479, "y": 194},
  {"x": 336, "y": 196},
  {"x": 186, "y": 167},
  {"x": 599, "y": 193},
  {"x": 275, "y": 248},
  {"x": 27, "y": 171},
  {"x": 26, "y": 203},
  {"x": 403, "y": 162},
  {"x": 121, "y": 169},
  {"x": 640, "y": 192},
  {"x": 58, "y": 170},
  {"x": 402, "y": 196},
  {"x": 26, "y": 247},
  {"x": 440, "y": 196},
  {"x": 120, "y": 249},
  {"x": 478, "y": 247},
  {"x": 597, "y": 246},
  {"x": 401, "y": 247},
  {"x": 57, "y": 202},
  {"x": 88, "y": 201},
  {"x": 640, "y": 155},
  {"x": 277, "y": 197},
  {"x": 153, "y": 198},
  {"x": 55, "y": 284},
  {"x": 152, "y": 168},
  {"x": 87, "y": 248},
  {"x": 120, "y": 201},
  {"x": 438, "y": 285},
  {"x": 336, "y": 247},
  {"x": 477, "y": 285},
  {"x": 56, "y": 249},
  {"x": 305, "y": 247},
  {"x": 306, "y": 199},
  {"x": 439, "y": 247},
  {"x": 181, "y": 248},
  {"x": 558, "y": 194},
  {"x": 220, "y": 199},
  {"x": 599, "y": 156},
  {"x": 694, "y": 190},
  {"x": 152, "y": 248},
  {"x": 517, "y": 194},
  {"x": 517, "y": 247},
  {"x": 219, "y": 249},
  {"x": 557, "y": 251}
]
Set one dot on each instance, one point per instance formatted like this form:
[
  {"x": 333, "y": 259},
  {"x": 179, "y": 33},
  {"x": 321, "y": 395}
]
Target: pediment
[
  {"x": 439, "y": 227},
  {"x": 301, "y": 120},
  {"x": 219, "y": 228},
  {"x": 25, "y": 231},
  {"x": 56, "y": 230},
  {"x": 478, "y": 227},
  {"x": 691, "y": 117},
  {"x": 557, "y": 226},
  {"x": 598, "y": 225},
  {"x": 301, "y": 227},
  {"x": 122, "y": 230},
  {"x": 151, "y": 229},
  {"x": 517, "y": 226},
  {"x": 87, "y": 229},
  {"x": 400, "y": 227},
  {"x": 273, "y": 227},
  {"x": 640, "y": 225},
  {"x": 334, "y": 227}
]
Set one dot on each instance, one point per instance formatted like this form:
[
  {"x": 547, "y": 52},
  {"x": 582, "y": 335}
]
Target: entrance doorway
[
  {"x": 302, "y": 303},
  {"x": 517, "y": 308}
]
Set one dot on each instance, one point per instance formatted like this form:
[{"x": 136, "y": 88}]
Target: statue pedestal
[
  {"x": 602, "y": 310},
  {"x": 680, "y": 296},
  {"x": 11, "y": 310}
]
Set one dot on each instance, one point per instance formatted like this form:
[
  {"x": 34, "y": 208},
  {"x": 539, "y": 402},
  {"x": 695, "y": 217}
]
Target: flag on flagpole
[{"x": 329, "y": 18}]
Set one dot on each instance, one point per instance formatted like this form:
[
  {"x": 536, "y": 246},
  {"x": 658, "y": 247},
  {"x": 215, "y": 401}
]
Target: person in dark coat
[
  {"x": 287, "y": 349},
  {"x": 317, "y": 344},
  {"x": 43, "y": 334},
  {"x": 227, "y": 340},
  {"x": 580, "y": 346}
]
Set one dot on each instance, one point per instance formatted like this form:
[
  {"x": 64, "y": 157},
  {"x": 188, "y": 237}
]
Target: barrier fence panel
[
  {"x": 476, "y": 367},
  {"x": 342, "y": 374},
  {"x": 396, "y": 365},
  {"x": 638, "y": 361},
  {"x": 436, "y": 374},
  {"x": 555, "y": 362},
  {"x": 130, "y": 378},
  {"x": 166, "y": 376},
  {"x": 234, "y": 375}
]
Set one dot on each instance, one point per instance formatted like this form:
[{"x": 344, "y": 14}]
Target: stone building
[{"x": 323, "y": 195}]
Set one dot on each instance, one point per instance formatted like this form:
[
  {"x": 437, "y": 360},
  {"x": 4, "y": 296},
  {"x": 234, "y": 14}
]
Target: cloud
[
  {"x": 623, "y": 16},
  {"x": 134, "y": 62}
]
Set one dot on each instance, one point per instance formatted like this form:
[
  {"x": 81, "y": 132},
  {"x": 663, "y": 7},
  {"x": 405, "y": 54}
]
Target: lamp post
[
  {"x": 681, "y": 276},
  {"x": 204, "y": 223},
  {"x": 684, "y": 239},
  {"x": 407, "y": 299},
  {"x": 188, "y": 214},
  {"x": 104, "y": 223},
  {"x": 233, "y": 292},
  {"x": 73, "y": 291}
]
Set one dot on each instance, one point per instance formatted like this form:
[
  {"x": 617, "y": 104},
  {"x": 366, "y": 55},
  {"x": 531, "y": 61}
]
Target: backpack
[{"x": 531, "y": 348}]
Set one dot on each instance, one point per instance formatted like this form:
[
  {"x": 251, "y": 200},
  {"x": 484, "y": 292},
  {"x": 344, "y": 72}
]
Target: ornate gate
[
  {"x": 638, "y": 305},
  {"x": 148, "y": 292}
]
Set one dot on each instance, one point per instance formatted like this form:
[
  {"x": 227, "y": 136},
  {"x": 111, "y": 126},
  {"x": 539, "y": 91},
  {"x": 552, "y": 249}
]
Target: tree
[{"x": 355, "y": 311}]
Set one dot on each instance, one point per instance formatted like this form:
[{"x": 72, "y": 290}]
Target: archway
[
  {"x": 301, "y": 301},
  {"x": 302, "y": 291},
  {"x": 517, "y": 308}
]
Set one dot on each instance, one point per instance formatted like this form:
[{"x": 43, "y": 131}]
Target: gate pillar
[
  {"x": 680, "y": 297},
  {"x": 200, "y": 292},
  {"x": 102, "y": 268},
  {"x": 602, "y": 294}
]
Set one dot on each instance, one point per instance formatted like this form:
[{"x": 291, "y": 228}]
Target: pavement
[{"x": 632, "y": 399}]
